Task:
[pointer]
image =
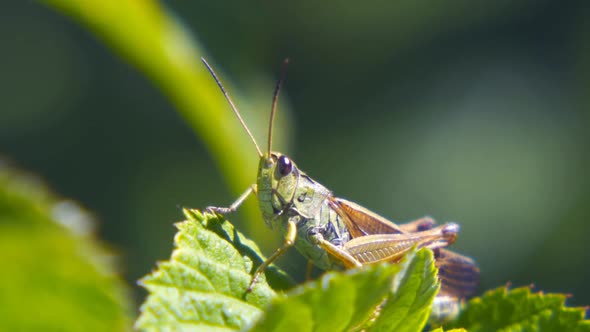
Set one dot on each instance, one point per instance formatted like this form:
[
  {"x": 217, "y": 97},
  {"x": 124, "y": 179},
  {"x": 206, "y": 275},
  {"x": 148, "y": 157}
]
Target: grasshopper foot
[
  {"x": 252, "y": 283},
  {"x": 218, "y": 210}
]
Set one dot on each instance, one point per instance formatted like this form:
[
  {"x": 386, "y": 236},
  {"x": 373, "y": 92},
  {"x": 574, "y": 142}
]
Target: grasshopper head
[{"x": 277, "y": 183}]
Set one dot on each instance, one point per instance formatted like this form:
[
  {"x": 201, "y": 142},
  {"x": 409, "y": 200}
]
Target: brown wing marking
[
  {"x": 418, "y": 225},
  {"x": 459, "y": 275},
  {"x": 360, "y": 221}
]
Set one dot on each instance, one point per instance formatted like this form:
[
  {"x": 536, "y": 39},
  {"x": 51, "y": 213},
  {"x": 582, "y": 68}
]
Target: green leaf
[
  {"x": 56, "y": 276},
  {"x": 203, "y": 285},
  {"x": 354, "y": 300},
  {"x": 409, "y": 304},
  {"x": 339, "y": 301},
  {"x": 276, "y": 278},
  {"x": 440, "y": 329},
  {"x": 521, "y": 310}
]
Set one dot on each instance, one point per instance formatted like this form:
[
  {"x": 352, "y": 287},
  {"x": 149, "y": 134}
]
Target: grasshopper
[{"x": 334, "y": 233}]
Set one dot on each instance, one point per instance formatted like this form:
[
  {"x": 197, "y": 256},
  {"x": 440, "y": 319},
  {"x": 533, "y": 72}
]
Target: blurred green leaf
[
  {"x": 409, "y": 304},
  {"x": 144, "y": 33},
  {"x": 203, "y": 285},
  {"x": 440, "y": 329},
  {"x": 56, "y": 277},
  {"x": 520, "y": 310}
]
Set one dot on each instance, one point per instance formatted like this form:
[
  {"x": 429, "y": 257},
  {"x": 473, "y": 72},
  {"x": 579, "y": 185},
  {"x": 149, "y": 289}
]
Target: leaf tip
[{"x": 193, "y": 214}]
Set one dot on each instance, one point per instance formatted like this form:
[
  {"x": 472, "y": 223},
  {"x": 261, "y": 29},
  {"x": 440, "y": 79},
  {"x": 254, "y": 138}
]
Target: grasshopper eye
[{"x": 285, "y": 165}]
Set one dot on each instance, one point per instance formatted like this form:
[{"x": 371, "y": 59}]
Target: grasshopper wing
[
  {"x": 459, "y": 275},
  {"x": 360, "y": 221}
]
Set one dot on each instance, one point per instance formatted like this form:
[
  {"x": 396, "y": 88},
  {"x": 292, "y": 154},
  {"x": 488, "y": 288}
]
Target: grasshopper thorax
[{"x": 277, "y": 185}]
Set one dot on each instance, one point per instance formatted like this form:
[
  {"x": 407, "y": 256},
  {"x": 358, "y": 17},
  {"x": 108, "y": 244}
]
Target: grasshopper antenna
[
  {"x": 275, "y": 98},
  {"x": 233, "y": 107}
]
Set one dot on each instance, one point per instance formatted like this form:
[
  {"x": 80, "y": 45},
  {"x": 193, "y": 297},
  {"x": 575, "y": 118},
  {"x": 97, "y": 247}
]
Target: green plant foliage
[
  {"x": 409, "y": 305},
  {"x": 440, "y": 329},
  {"x": 55, "y": 277},
  {"x": 336, "y": 302},
  {"x": 519, "y": 309},
  {"x": 203, "y": 285}
]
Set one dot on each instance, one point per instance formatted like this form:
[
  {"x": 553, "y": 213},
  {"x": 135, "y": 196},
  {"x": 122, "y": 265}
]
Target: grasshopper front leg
[
  {"x": 290, "y": 237},
  {"x": 234, "y": 206}
]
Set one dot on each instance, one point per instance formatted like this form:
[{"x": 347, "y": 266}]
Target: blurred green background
[{"x": 475, "y": 113}]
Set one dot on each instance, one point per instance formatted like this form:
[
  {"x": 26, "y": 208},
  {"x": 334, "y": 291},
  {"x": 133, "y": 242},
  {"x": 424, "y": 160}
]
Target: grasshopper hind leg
[
  {"x": 418, "y": 225},
  {"x": 391, "y": 247}
]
